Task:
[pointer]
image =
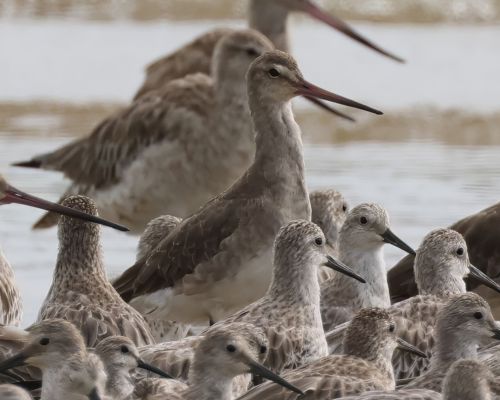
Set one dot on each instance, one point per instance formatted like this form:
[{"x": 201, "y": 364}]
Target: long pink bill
[
  {"x": 314, "y": 11},
  {"x": 16, "y": 196},
  {"x": 309, "y": 90}
]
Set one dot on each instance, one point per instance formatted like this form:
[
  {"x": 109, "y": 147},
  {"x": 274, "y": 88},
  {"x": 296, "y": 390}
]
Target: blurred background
[{"x": 434, "y": 157}]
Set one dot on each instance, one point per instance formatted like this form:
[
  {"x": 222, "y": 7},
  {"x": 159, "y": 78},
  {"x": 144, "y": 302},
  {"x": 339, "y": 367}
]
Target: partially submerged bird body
[
  {"x": 171, "y": 151},
  {"x": 361, "y": 241},
  {"x": 81, "y": 292},
  {"x": 11, "y": 306}
]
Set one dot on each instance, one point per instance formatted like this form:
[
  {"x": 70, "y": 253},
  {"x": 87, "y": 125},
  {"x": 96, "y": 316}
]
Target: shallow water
[{"x": 433, "y": 158}]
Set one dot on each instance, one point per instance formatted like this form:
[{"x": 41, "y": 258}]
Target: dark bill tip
[
  {"x": 336, "y": 23},
  {"x": 307, "y": 89},
  {"x": 390, "y": 238},
  {"x": 260, "y": 370},
  {"x": 16, "y": 196},
  {"x": 343, "y": 269},
  {"x": 141, "y": 364},
  {"x": 481, "y": 277},
  {"x": 330, "y": 109},
  {"x": 94, "y": 395},
  {"x": 405, "y": 346}
]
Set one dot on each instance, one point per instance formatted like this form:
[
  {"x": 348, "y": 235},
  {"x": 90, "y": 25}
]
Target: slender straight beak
[
  {"x": 480, "y": 276},
  {"x": 16, "y": 196},
  {"x": 496, "y": 333},
  {"x": 391, "y": 238},
  {"x": 141, "y": 364},
  {"x": 330, "y": 109},
  {"x": 342, "y": 268},
  {"x": 405, "y": 346},
  {"x": 259, "y": 369},
  {"x": 94, "y": 395},
  {"x": 309, "y": 90},
  {"x": 15, "y": 361},
  {"x": 336, "y": 23}
]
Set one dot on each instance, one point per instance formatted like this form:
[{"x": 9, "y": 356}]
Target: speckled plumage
[
  {"x": 365, "y": 364},
  {"x": 11, "y": 305},
  {"x": 458, "y": 334},
  {"x": 173, "y": 149},
  {"x": 69, "y": 372},
  {"x": 12, "y": 392},
  {"x": 220, "y": 259},
  {"x": 81, "y": 292},
  {"x": 440, "y": 272},
  {"x": 360, "y": 246}
]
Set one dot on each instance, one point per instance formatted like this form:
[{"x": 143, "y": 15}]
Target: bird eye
[
  {"x": 363, "y": 220},
  {"x": 263, "y": 349},
  {"x": 44, "y": 341},
  {"x": 318, "y": 241},
  {"x": 231, "y": 348},
  {"x": 124, "y": 349},
  {"x": 273, "y": 73},
  {"x": 478, "y": 315},
  {"x": 392, "y": 328},
  {"x": 460, "y": 251},
  {"x": 344, "y": 208},
  {"x": 252, "y": 52}
]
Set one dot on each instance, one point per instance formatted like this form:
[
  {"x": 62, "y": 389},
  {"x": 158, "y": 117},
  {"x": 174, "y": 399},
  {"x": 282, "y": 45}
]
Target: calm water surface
[{"x": 434, "y": 157}]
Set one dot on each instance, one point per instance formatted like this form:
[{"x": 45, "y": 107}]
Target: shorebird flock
[{"x": 245, "y": 285}]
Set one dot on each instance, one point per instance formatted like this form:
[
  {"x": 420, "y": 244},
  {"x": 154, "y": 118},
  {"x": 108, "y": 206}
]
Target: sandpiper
[
  {"x": 69, "y": 372},
  {"x": 171, "y": 151},
  {"x": 156, "y": 230},
  {"x": 465, "y": 380},
  {"x": 369, "y": 342},
  {"x": 441, "y": 265},
  {"x": 120, "y": 358},
  {"x": 11, "y": 309},
  {"x": 270, "y": 17},
  {"x": 361, "y": 241},
  {"x": 481, "y": 232},
  {"x": 12, "y": 392},
  {"x": 289, "y": 313},
  {"x": 81, "y": 292},
  {"x": 222, "y": 354},
  {"x": 463, "y": 325},
  {"x": 220, "y": 259}
]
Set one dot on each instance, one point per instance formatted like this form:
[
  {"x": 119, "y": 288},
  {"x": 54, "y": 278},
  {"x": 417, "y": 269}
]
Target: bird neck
[
  {"x": 440, "y": 281},
  {"x": 208, "y": 383},
  {"x": 271, "y": 20},
  {"x": 451, "y": 346},
  {"x": 370, "y": 264},
  {"x": 119, "y": 383}
]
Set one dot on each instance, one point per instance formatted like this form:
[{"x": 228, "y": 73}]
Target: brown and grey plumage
[
  {"x": 219, "y": 260},
  {"x": 463, "y": 325},
  {"x": 481, "y": 232},
  {"x": 11, "y": 304},
  {"x": 69, "y": 372},
  {"x": 369, "y": 342},
  {"x": 441, "y": 265},
  {"x": 289, "y": 313},
  {"x": 12, "y": 392},
  {"x": 81, "y": 292},
  {"x": 223, "y": 353},
  {"x": 172, "y": 150},
  {"x": 361, "y": 240},
  {"x": 270, "y": 17},
  {"x": 121, "y": 358}
]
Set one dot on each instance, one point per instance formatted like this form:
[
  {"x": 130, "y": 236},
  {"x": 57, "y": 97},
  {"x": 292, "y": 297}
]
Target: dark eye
[
  {"x": 231, "y": 348},
  {"x": 124, "y": 349},
  {"x": 318, "y": 241},
  {"x": 392, "y": 328},
  {"x": 44, "y": 341},
  {"x": 344, "y": 208},
  {"x": 252, "y": 52},
  {"x": 363, "y": 220},
  {"x": 263, "y": 349},
  {"x": 460, "y": 251},
  {"x": 273, "y": 72},
  {"x": 478, "y": 315}
]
